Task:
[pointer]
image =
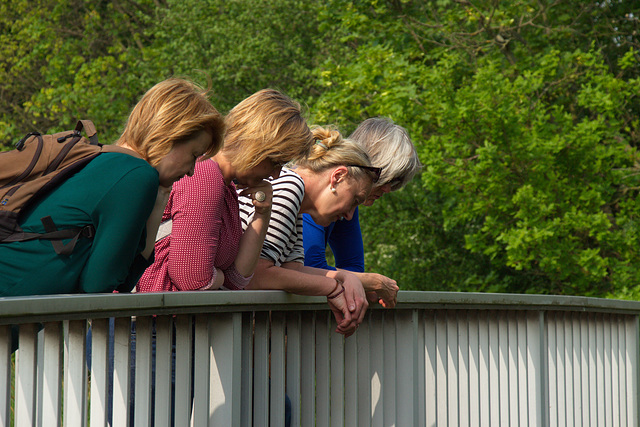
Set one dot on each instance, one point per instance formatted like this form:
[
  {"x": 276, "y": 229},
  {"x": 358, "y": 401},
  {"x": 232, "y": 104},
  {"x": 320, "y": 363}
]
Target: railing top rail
[{"x": 57, "y": 307}]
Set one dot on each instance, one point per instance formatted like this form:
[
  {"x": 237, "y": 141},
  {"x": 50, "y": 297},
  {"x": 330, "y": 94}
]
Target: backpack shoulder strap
[{"x": 89, "y": 129}]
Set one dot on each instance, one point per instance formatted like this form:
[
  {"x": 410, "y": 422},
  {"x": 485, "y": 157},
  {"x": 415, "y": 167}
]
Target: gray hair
[{"x": 389, "y": 148}]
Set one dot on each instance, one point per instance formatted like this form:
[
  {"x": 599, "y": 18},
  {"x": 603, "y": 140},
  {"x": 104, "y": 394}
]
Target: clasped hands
[{"x": 350, "y": 306}]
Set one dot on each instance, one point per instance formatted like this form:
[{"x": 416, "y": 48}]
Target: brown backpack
[{"x": 38, "y": 165}]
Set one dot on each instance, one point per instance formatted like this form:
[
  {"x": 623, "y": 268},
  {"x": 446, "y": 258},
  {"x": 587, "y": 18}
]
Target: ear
[{"x": 338, "y": 175}]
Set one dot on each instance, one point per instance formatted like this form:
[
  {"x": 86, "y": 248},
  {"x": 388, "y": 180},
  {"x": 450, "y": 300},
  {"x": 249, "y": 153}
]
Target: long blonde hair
[
  {"x": 266, "y": 125},
  {"x": 171, "y": 112}
]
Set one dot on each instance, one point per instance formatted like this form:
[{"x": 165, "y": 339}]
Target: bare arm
[
  {"x": 349, "y": 308},
  {"x": 385, "y": 289},
  {"x": 253, "y": 237}
]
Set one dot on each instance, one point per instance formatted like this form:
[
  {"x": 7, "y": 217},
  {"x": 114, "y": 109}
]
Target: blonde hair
[
  {"x": 389, "y": 148},
  {"x": 331, "y": 149},
  {"x": 266, "y": 125},
  {"x": 171, "y": 112}
]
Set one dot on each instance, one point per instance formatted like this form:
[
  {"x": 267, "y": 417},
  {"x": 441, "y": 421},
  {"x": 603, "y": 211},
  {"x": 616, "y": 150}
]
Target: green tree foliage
[
  {"x": 239, "y": 47},
  {"x": 527, "y": 124},
  {"x": 525, "y": 114},
  {"x": 62, "y": 60}
]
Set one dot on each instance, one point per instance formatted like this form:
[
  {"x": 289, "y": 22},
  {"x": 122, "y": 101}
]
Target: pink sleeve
[
  {"x": 197, "y": 217},
  {"x": 235, "y": 281}
]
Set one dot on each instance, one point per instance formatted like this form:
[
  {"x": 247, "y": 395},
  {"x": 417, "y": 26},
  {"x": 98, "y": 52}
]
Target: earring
[{"x": 333, "y": 189}]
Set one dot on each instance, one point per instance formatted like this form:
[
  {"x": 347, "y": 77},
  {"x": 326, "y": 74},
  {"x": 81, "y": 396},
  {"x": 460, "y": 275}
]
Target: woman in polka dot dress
[{"x": 201, "y": 244}]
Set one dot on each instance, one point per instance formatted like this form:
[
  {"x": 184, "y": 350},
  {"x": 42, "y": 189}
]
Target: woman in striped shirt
[{"x": 328, "y": 185}]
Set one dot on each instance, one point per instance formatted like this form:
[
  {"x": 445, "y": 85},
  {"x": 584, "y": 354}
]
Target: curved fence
[{"x": 254, "y": 358}]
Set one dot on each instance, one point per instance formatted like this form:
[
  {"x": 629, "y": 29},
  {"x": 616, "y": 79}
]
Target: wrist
[
  {"x": 337, "y": 291},
  {"x": 263, "y": 212}
]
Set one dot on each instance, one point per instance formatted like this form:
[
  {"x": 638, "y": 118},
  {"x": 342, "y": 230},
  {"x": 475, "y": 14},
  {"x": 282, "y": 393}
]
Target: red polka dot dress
[{"x": 205, "y": 235}]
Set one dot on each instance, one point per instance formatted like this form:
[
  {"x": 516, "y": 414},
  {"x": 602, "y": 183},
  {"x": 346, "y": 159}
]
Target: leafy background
[{"x": 525, "y": 114}]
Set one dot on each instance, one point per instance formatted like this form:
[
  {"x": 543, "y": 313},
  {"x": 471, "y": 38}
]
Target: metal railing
[{"x": 234, "y": 358}]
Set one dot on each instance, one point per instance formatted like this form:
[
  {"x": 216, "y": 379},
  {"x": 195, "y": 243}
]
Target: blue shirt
[{"x": 343, "y": 237}]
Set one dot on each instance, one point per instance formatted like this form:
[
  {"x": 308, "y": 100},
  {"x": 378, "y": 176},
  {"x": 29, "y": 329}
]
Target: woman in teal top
[{"x": 122, "y": 196}]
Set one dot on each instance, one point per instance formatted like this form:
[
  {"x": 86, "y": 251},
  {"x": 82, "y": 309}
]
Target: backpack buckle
[{"x": 88, "y": 231}]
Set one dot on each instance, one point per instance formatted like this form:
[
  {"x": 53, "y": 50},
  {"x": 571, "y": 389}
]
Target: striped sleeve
[{"x": 283, "y": 242}]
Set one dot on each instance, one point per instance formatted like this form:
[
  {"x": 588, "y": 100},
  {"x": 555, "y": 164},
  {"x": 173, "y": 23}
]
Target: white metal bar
[
  {"x": 5, "y": 375},
  {"x": 522, "y": 367},
  {"x": 26, "y": 386},
  {"x": 569, "y": 367},
  {"x": 575, "y": 364},
  {"x": 277, "y": 389},
  {"x": 99, "y": 371},
  {"x": 337, "y": 374},
  {"x": 622, "y": 361},
  {"x": 474, "y": 367},
  {"x": 512, "y": 367},
  {"x": 363, "y": 388},
  {"x": 405, "y": 327},
  {"x": 308, "y": 369},
  {"x": 293, "y": 365},
  {"x": 494, "y": 368},
  {"x": 349, "y": 376},
  {"x": 503, "y": 367},
  {"x": 389, "y": 391},
  {"x": 484, "y": 363},
  {"x": 420, "y": 373},
  {"x": 121, "y": 371},
  {"x": 453, "y": 372},
  {"x": 323, "y": 369},
  {"x": 377, "y": 368},
  {"x": 615, "y": 371},
  {"x": 75, "y": 382},
  {"x": 246, "y": 392},
  {"x": 584, "y": 370},
  {"x": 552, "y": 351},
  {"x": 633, "y": 354},
  {"x": 600, "y": 370},
  {"x": 184, "y": 360},
  {"x": 203, "y": 378},
  {"x": 442, "y": 410},
  {"x": 225, "y": 338},
  {"x": 164, "y": 371},
  {"x": 535, "y": 370},
  {"x": 593, "y": 372},
  {"x": 464, "y": 379},
  {"x": 142, "y": 411},
  {"x": 608, "y": 374},
  {"x": 39, "y": 373},
  {"x": 261, "y": 370}
]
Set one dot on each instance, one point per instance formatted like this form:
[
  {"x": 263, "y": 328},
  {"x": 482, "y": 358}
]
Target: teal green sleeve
[{"x": 120, "y": 219}]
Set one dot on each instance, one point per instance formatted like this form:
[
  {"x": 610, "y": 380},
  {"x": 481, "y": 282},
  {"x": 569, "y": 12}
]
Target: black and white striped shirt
[{"x": 283, "y": 242}]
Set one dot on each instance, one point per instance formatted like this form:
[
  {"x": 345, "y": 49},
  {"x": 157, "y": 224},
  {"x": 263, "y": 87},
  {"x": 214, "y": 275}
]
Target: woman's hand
[
  {"x": 354, "y": 295},
  {"x": 261, "y": 195},
  {"x": 346, "y": 323},
  {"x": 386, "y": 289}
]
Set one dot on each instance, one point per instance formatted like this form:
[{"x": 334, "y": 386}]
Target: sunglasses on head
[{"x": 375, "y": 171}]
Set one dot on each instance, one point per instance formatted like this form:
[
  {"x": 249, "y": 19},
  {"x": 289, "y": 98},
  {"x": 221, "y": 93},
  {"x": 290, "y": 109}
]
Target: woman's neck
[
  {"x": 312, "y": 186},
  {"x": 228, "y": 171}
]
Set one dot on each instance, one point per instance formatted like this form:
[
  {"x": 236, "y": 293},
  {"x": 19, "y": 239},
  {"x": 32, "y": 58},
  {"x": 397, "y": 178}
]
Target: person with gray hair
[{"x": 390, "y": 148}]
